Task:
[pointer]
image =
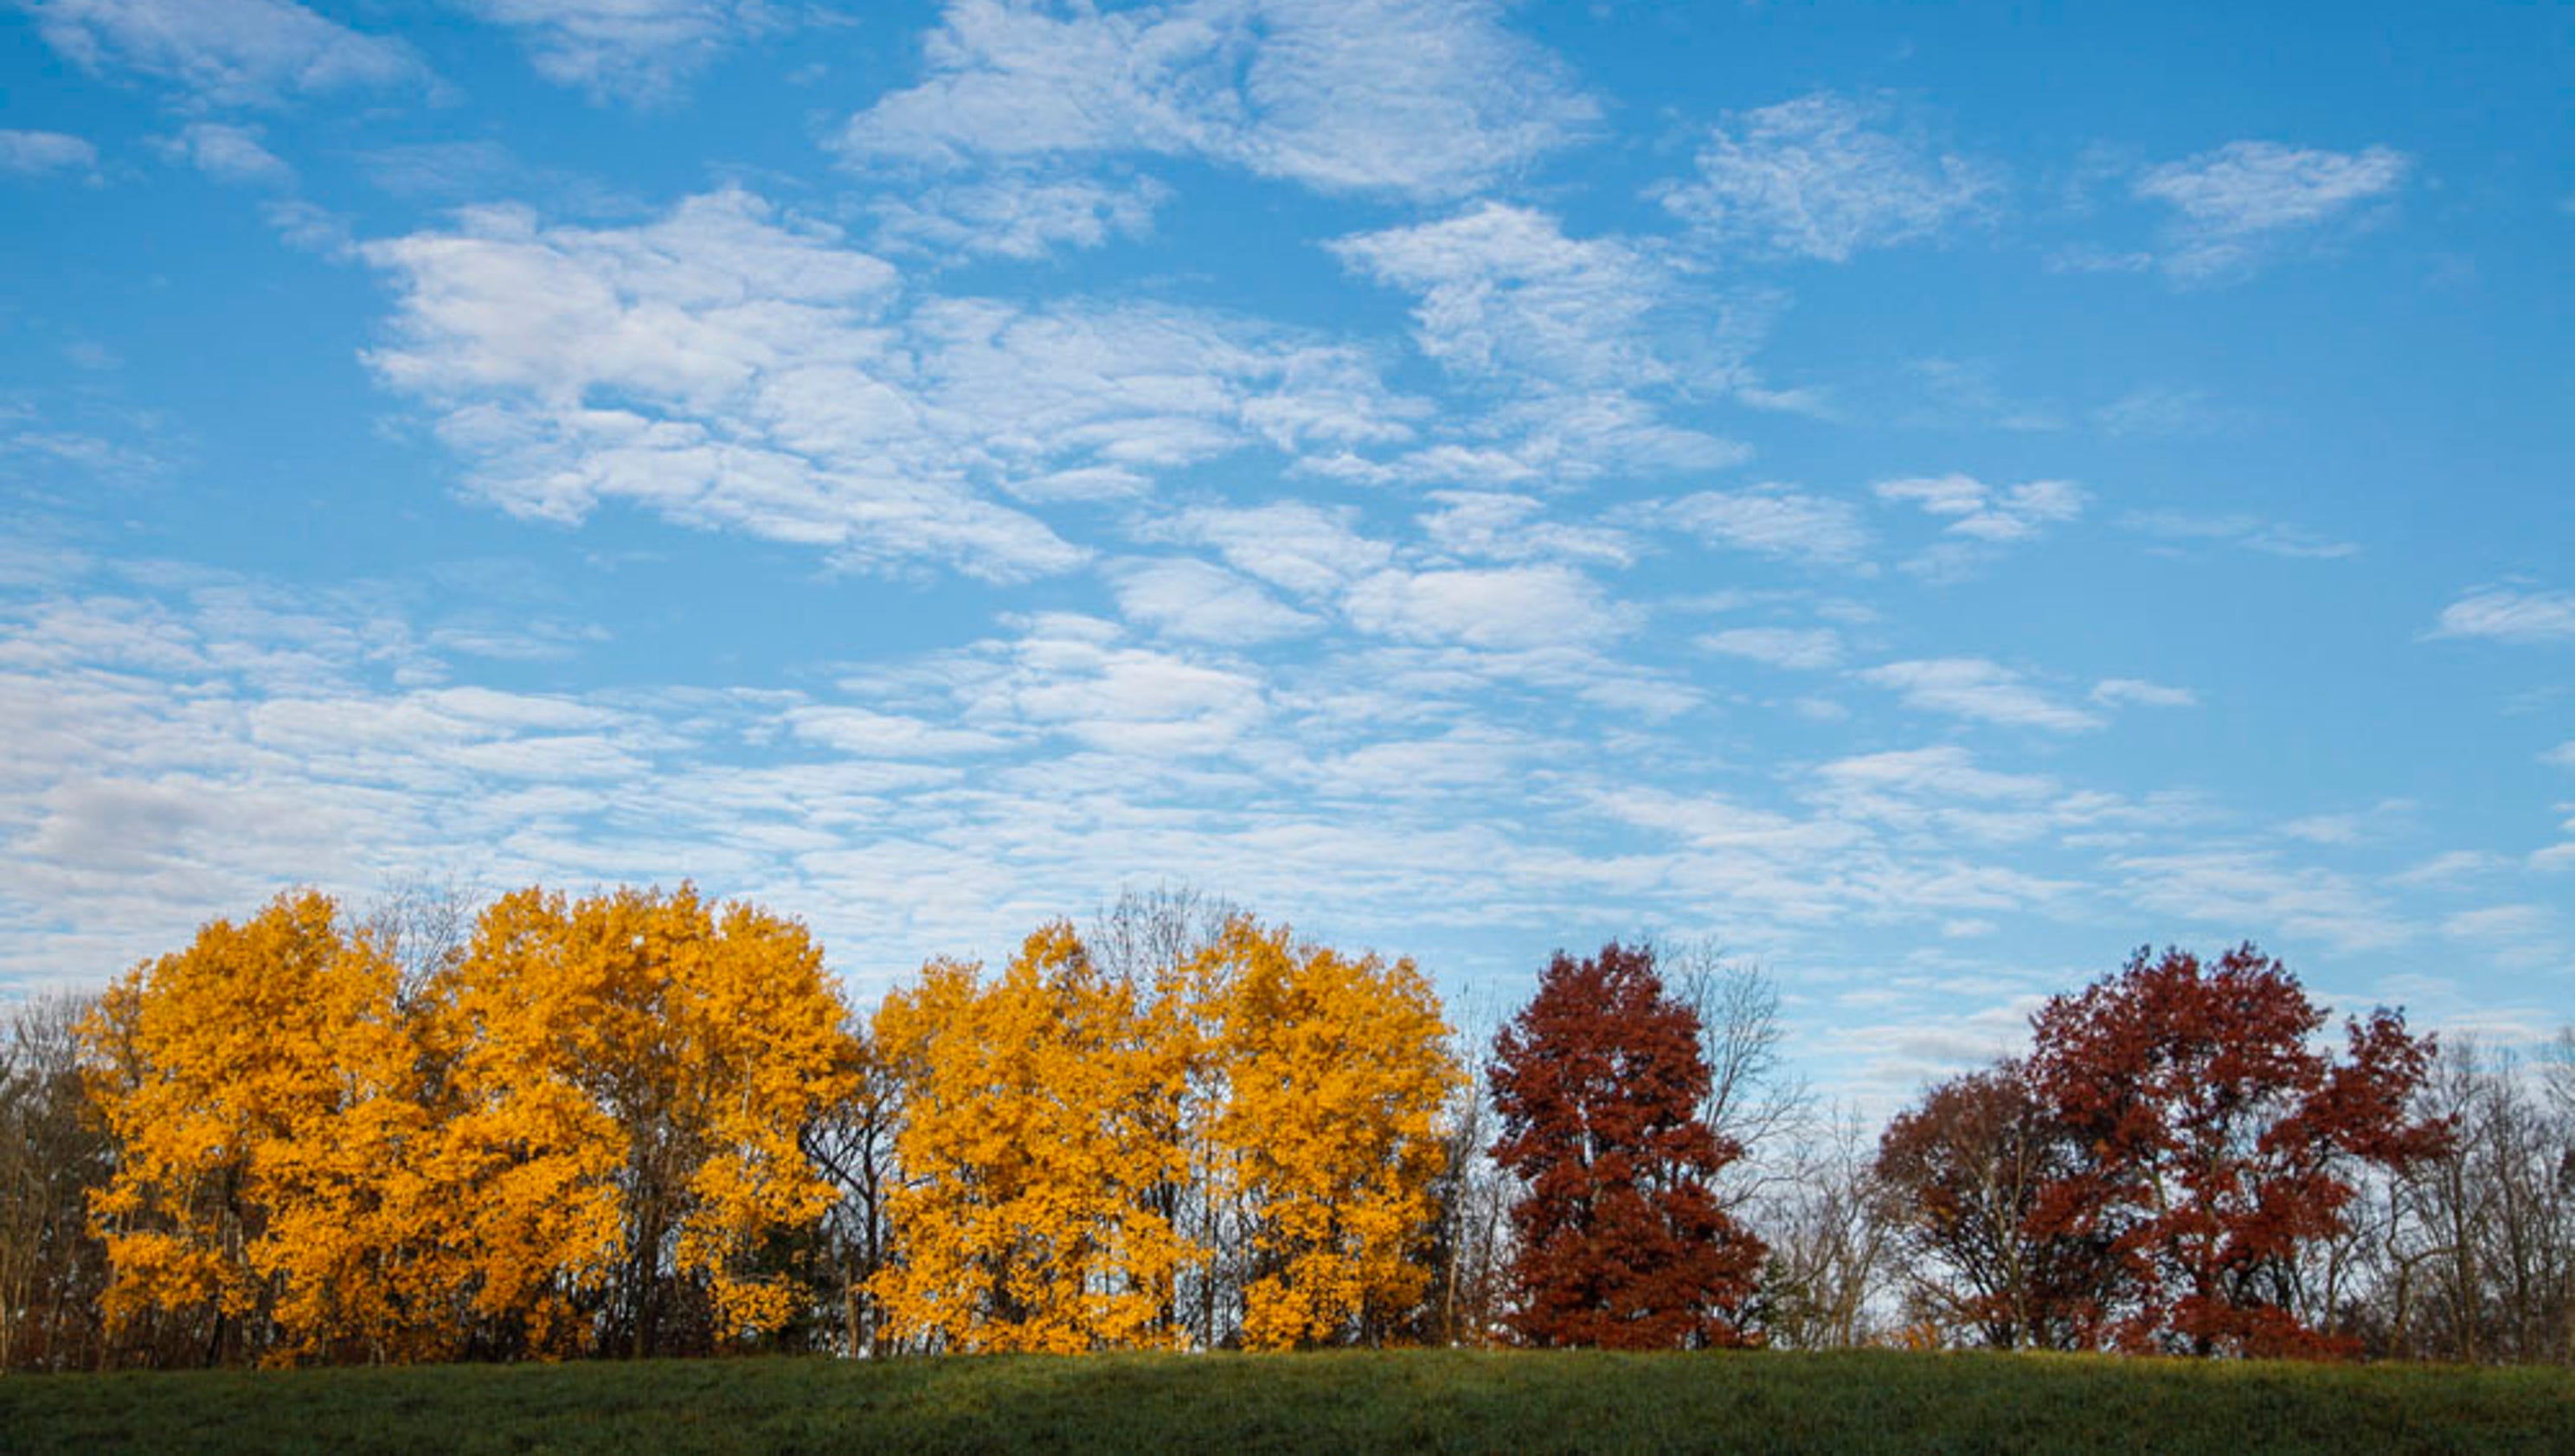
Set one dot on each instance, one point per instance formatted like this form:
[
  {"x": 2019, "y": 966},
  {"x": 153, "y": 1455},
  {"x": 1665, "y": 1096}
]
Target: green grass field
[{"x": 1231, "y": 1404}]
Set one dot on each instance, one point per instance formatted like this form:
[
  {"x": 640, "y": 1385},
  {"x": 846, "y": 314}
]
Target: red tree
[
  {"x": 2219, "y": 1142},
  {"x": 1597, "y": 1083},
  {"x": 1966, "y": 1170}
]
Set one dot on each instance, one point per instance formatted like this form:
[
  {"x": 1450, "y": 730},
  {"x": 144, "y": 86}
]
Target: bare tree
[
  {"x": 1833, "y": 1243},
  {"x": 1153, "y": 940},
  {"x": 852, "y": 1142},
  {"x": 53, "y": 1152},
  {"x": 1753, "y": 1100},
  {"x": 2475, "y": 1256},
  {"x": 426, "y": 924},
  {"x": 1471, "y": 1242}
]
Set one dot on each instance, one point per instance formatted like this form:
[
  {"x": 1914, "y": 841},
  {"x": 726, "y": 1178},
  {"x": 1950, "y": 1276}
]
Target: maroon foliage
[
  {"x": 2217, "y": 1142},
  {"x": 1965, "y": 1171},
  {"x": 1623, "y": 1244}
]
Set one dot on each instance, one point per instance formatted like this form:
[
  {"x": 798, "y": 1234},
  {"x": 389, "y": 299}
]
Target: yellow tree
[
  {"x": 1330, "y": 1141},
  {"x": 631, "y": 1074},
  {"x": 264, "y": 1096},
  {"x": 1032, "y": 1141}
]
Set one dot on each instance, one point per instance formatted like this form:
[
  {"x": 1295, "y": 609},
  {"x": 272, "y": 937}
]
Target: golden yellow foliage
[
  {"x": 585, "y": 1132},
  {"x": 631, "y": 1072},
  {"x": 263, "y": 1091},
  {"x": 1029, "y": 1143},
  {"x": 1076, "y": 1147},
  {"x": 1337, "y": 1070}
]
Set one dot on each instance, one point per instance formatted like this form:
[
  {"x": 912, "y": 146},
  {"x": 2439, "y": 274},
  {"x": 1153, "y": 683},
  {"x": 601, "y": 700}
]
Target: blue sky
[{"x": 1927, "y": 500}]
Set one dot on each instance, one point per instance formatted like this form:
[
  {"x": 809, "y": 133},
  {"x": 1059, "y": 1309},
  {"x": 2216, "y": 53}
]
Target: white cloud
[
  {"x": 1781, "y": 647},
  {"x": 1990, "y": 513},
  {"x": 870, "y": 733},
  {"x": 731, "y": 368},
  {"x": 1826, "y": 177},
  {"x": 2238, "y": 892},
  {"x": 1074, "y": 676},
  {"x": 1772, "y": 519},
  {"x": 1424, "y": 98},
  {"x": 629, "y": 50},
  {"x": 2502, "y": 924},
  {"x": 1943, "y": 771},
  {"x": 231, "y": 154},
  {"x": 182, "y": 756},
  {"x": 2247, "y": 532},
  {"x": 1013, "y": 216},
  {"x": 2563, "y": 755},
  {"x": 1310, "y": 549},
  {"x": 1505, "y": 607},
  {"x": 1195, "y": 601},
  {"x": 2161, "y": 412},
  {"x": 1964, "y": 394},
  {"x": 2505, "y": 614},
  {"x": 1983, "y": 519},
  {"x": 229, "y": 51},
  {"x": 37, "y": 154},
  {"x": 311, "y": 228},
  {"x": 1973, "y": 687},
  {"x": 2452, "y": 866},
  {"x": 1579, "y": 339},
  {"x": 1546, "y": 438},
  {"x": 1498, "y": 526},
  {"x": 2137, "y": 693},
  {"x": 2246, "y": 200},
  {"x": 1504, "y": 292}
]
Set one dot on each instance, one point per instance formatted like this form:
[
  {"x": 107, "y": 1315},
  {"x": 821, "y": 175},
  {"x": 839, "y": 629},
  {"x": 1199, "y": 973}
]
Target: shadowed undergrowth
[{"x": 1230, "y": 1404}]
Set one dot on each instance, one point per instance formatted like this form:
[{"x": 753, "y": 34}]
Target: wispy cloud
[
  {"x": 730, "y": 367},
  {"x": 230, "y": 154},
  {"x": 2230, "y": 892},
  {"x": 1504, "y": 291},
  {"x": 1016, "y": 216},
  {"x": 42, "y": 154},
  {"x": 1310, "y": 549},
  {"x": 1498, "y": 525},
  {"x": 1772, "y": 519},
  {"x": 1426, "y": 98},
  {"x": 2138, "y": 693},
  {"x": 640, "y": 51},
  {"x": 1502, "y": 607},
  {"x": 2510, "y": 615},
  {"x": 1804, "y": 647},
  {"x": 2165, "y": 413},
  {"x": 1981, "y": 518},
  {"x": 1996, "y": 514},
  {"x": 227, "y": 52},
  {"x": 2509, "y": 925},
  {"x": 1827, "y": 176},
  {"x": 2249, "y": 533},
  {"x": 1193, "y": 601},
  {"x": 2242, "y": 202},
  {"x": 1973, "y": 687},
  {"x": 1586, "y": 338}
]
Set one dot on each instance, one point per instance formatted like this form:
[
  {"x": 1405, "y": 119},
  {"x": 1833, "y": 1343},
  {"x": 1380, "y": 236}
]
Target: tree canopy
[{"x": 1599, "y": 1083}]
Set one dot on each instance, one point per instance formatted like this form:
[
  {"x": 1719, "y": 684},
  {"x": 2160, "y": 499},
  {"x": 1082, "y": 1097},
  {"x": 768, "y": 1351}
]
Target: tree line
[{"x": 641, "y": 1123}]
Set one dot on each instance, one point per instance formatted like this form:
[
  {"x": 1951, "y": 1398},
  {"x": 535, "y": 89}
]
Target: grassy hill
[{"x": 1233, "y": 1405}]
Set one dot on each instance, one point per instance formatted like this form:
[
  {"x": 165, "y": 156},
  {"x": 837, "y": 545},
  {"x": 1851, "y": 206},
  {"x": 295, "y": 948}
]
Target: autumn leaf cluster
[
  {"x": 638, "y": 1122},
  {"x": 1238, "y": 1146},
  {"x": 580, "y": 1125},
  {"x": 2162, "y": 1171}
]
